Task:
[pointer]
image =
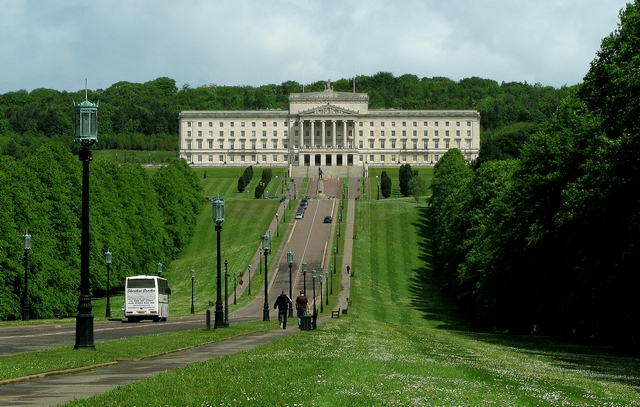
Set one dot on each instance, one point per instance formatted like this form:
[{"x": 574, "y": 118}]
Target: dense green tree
[{"x": 385, "y": 185}]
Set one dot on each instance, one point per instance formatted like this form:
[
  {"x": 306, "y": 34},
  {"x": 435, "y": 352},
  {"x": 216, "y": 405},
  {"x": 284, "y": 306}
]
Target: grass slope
[{"x": 401, "y": 344}]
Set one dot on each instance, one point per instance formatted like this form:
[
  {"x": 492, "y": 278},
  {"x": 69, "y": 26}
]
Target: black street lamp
[
  {"x": 249, "y": 282},
  {"x": 218, "y": 218},
  {"x": 277, "y": 225},
  {"x": 326, "y": 275},
  {"x": 289, "y": 191},
  {"x": 226, "y": 294},
  {"x": 321, "y": 306},
  {"x": 193, "y": 277},
  {"x": 331, "y": 277},
  {"x": 262, "y": 185},
  {"x": 266, "y": 247},
  {"x": 107, "y": 260},
  {"x": 260, "y": 256},
  {"x": 235, "y": 288},
  {"x": 295, "y": 195},
  {"x": 290, "y": 261},
  {"x": 284, "y": 211},
  {"x": 378, "y": 191},
  {"x": 304, "y": 277},
  {"x": 159, "y": 269},
  {"x": 86, "y": 133},
  {"x": 26, "y": 245},
  {"x": 313, "y": 277}
]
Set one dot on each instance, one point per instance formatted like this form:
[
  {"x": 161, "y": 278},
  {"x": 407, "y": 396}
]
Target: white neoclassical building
[{"x": 326, "y": 129}]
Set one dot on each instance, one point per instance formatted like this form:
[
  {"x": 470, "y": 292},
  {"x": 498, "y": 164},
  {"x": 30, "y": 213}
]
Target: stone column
[
  {"x": 333, "y": 135},
  {"x": 313, "y": 133},
  {"x": 344, "y": 134},
  {"x": 323, "y": 133}
]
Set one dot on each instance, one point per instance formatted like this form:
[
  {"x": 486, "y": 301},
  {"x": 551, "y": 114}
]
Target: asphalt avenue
[{"x": 315, "y": 248}]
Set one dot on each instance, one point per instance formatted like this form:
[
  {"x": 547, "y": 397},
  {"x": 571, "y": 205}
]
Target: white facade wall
[{"x": 327, "y": 129}]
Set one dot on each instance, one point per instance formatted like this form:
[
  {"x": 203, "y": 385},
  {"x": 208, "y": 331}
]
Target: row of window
[
  {"x": 242, "y": 124},
  {"x": 361, "y": 124},
  {"x": 381, "y": 144},
  {"x": 382, "y": 158},
  {"x": 242, "y": 133}
]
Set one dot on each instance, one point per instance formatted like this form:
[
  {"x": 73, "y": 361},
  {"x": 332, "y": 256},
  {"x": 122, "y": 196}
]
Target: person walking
[
  {"x": 302, "y": 305},
  {"x": 283, "y": 302}
]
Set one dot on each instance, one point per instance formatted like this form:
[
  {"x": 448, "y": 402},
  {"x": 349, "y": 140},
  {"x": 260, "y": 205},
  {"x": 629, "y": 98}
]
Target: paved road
[{"x": 20, "y": 339}]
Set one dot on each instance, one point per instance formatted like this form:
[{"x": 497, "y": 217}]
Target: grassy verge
[
  {"x": 109, "y": 351},
  {"x": 401, "y": 344}
]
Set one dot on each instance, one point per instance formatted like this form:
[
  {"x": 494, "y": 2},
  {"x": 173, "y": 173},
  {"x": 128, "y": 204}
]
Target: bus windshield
[{"x": 141, "y": 283}]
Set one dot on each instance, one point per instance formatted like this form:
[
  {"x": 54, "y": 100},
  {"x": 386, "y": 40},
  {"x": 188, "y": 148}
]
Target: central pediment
[{"x": 327, "y": 110}]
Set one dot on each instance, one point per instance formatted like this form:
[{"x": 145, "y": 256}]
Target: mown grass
[
  {"x": 401, "y": 344},
  {"x": 48, "y": 360}
]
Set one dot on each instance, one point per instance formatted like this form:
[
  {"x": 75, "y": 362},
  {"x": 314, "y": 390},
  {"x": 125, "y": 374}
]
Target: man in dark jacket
[{"x": 283, "y": 302}]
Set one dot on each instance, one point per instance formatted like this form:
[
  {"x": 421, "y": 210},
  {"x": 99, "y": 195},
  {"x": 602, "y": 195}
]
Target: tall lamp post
[
  {"x": 326, "y": 276},
  {"x": 313, "y": 277},
  {"x": 277, "y": 225},
  {"x": 26, "y": 245},
  {"x": 290, "y": 261},
  {"x": 235, "y": 288},
  {"x": 86, "y": 133},
  {"x": 321, "y": 302},
  {"x": 249, "y": 282},
  {"x": 304, "y": 277},
  {"x": 159, "y": 269},
  {"x": 295, "y": 195},
  {"x": 226, "y": 294},
  {"x": 331, "y": 277},
  {"x": 378, "y": 191},
  {"x": 266, "y": 246},
  {"x": 193, "y": 277},
  {"x": 284, "y": 211},
  {"x": 107, "y": 260},
  {"x": 218, "y": 218}
]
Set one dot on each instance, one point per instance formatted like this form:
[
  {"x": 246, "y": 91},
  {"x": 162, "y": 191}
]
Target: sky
[{"x": 58, "y": 44}]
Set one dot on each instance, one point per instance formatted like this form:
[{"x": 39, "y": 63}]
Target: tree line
[
  {"x": 545, "y": 238},
  {"x": 142, "y": 219},
  {"x": 144, "y": 116}
]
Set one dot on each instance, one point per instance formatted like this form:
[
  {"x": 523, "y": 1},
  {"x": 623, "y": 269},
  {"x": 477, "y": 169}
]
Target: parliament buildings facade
[{"x": 326, "y": 129}]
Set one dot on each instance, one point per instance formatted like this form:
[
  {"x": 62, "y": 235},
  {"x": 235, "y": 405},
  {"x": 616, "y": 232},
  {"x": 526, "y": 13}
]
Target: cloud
[{"x": 59, "y": 44}]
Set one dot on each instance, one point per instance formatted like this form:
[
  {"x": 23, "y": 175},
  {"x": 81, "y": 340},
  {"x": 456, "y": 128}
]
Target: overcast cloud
[{"x": 57, "y": 44}]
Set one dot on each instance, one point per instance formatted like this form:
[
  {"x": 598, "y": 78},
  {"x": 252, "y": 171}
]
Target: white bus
[{"x": 146, "y": 297}]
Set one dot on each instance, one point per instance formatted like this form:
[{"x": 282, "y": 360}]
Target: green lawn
[{"x": 402, "y": 343}]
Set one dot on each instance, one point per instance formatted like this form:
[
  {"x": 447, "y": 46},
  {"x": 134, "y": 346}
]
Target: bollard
[{"x": 208, "y": 320}]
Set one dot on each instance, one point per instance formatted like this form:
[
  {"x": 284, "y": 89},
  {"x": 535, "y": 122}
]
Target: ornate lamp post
[
  {"x": 284, "y": 211},
  {"x": 159, "y": 269},
  {"x": 277, "y": 225},
  {"x": 266, "y": 247},
  {"x": 289, "y": 191},
  {"x": 260, "y": 255},
  {"x": 313, "y": 277},
  {"x": 107, "y": 260},
  {"x": 86, "y": 133},
  {"x": 226, "y": 294},
  {"x": 326, "y": 276},
  {"x": 290, "y": 261},
  {"x": 295, "y": 195},
  {"x": 304, "y": 277},
  {"x": 378, "y": 191},
  {"x": 321, "y": 306},
  {"x": 235, "y": 288},
  {"x": 218, "y": 219},
  {"x": 26, "y": 245},
  {"x": 335, "y": 254},
  {"x": 249, "y": 279},
  {"x": 262, "y": 185},
  {"x": 193, "y": 277}
]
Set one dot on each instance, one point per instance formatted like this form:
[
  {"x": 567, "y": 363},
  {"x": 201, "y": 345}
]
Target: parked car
[
  {"x": 328, "y": 219},
  {"x": 299, "y": 215}
]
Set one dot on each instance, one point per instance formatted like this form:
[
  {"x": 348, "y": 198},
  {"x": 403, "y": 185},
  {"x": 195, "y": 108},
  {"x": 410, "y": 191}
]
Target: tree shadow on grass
[
  {"x": 442, "y": 312},
  {"x": 426, "y": 291}
]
